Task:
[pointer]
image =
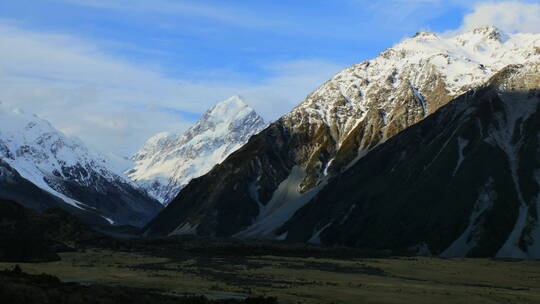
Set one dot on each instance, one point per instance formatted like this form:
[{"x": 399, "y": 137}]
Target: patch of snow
[
  {"x": 111, "y": 222},
  {"x": 462, "y": 144},
  {"x": 516, "y": 110},
  {"x": 316, "y": 237},
  {"x": 469, "y": 238},
  {"x": 344, "y": 95},
  {"x": 384, "y": 116},
  {"x": 510, "y": 249},
  {"x": 282, "y": 236},
  {"x": 421, "y": 99},
  {"x": 285, "y": 201},
  {"x": 325, "y": 171},
  {"x": 185, "y": 229},
  {"x": 534, "y": 249},
  {"x": 346, "y": 217}
]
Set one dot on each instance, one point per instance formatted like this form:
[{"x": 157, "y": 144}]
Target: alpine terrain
[
  {"x": 260, "y": 190},
  {"x": 463, "y": 182},
  {"x": 167, "y": 162},
  {"x": 40, "y": 168}
]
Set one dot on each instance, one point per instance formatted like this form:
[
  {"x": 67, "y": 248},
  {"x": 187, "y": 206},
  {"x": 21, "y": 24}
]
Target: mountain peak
[
  {"x": 487, "y": 32},
  {"x": 62, "y": 166},
  {"x": 167, "y": 163},
  {"x": 230, "y": 109},
  {"x": 235, "y": 99},
  {"x": 426, "y": 36},
  {"x": 232, "y": 102},
  {"x": 158, "y": 137},
  {"x": 485, "y": 29}
]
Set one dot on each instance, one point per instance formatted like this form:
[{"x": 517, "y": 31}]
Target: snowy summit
[
  {"x": 167, "y": 162},
  {"x": 65, "y": 168}
]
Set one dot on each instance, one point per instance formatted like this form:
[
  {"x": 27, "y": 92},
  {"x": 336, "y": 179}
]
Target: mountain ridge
[
  {"x": 68, "y": 170},
  {"x": 167, "y": 162},
  {"x": 335, "y": 126},
  {"x": 434, "y": 188}
]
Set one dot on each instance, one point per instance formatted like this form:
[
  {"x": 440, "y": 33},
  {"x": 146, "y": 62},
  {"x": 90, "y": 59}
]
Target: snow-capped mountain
[
  {"x": 463, "y": 182},
  {"x": 67, "y": 169},
  {"x": 374, "y": 100},
  {"x": 167, "y": 162},
  {"x": 259, "y": 188}
]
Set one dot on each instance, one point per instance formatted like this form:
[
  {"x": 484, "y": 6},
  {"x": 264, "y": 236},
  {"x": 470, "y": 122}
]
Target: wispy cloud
[
  {"x": 509, "y": 16},
  {"x": 115, "y": 105},
  {"x": 403, "y": 13},
  {"x": 223, "y": 12}
]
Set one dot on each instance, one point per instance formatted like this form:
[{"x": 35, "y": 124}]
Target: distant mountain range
[
  {"x": 419, "y": 148},
  {"x": 40, "y": 167},
  {"x": 167, "y": 162}
]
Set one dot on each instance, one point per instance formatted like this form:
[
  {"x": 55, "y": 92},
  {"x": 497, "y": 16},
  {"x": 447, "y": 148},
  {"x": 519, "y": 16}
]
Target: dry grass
[{"x": 310, "y": 280}]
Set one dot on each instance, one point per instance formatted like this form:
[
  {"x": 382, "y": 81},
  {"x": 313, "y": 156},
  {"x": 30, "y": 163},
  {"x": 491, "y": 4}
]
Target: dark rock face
[
  {"x": 15, "y": 188},
  {"x": 121, "y": 202},
  {"x": 20, "y": 242},
  {"x": 463, "y": 182},
  {"x": 115, "y": 199}
]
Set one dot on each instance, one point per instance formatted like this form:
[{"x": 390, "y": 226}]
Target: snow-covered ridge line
[
  {"x": 48, "y": 158},
  {"x": 168, "y": 161},
  {"x": 464, "y": 61}
]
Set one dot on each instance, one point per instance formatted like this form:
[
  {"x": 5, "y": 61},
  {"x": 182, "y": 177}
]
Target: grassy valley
[{"x": 298, "y": 279}]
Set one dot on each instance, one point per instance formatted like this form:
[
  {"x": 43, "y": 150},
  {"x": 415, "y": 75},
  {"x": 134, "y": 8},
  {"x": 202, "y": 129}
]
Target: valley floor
[{"x": 305, "y": 280}]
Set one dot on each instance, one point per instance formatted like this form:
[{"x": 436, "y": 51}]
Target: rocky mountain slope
[
  {"x": 40, "y": 167},
  {"x": 16, "y": 188},
  {"x": 463, "y": 182},
  {"x": 259, "y": 187},
  {"x": 167, "y": 162}
]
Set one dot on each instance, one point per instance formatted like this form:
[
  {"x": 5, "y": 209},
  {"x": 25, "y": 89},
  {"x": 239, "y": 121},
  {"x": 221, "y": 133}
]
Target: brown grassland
[{"x": 305, "y": 279}]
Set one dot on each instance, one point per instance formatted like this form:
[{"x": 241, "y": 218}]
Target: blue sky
[
  {"x": 114, "y": 72},
  {"x": 235, "y": 38}
]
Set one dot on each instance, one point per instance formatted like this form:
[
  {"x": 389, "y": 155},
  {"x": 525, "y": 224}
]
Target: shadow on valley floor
[{"x": 19, "y": 287}]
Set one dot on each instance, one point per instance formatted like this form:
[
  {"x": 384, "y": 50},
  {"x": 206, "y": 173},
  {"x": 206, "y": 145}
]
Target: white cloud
[
  {"x": 114, "y": 105},
  {"x": 413, "y": 15},
  {"x": 509, "y": 16}
]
